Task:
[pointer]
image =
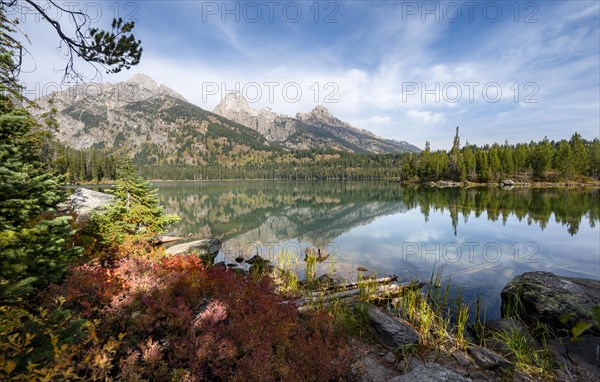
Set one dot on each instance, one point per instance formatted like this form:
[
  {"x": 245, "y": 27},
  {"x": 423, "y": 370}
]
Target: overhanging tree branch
[{"x": 113, "y": 50}]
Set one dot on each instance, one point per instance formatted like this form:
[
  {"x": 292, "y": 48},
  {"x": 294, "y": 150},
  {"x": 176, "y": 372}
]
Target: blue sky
[{"x": 411, "y": 71}]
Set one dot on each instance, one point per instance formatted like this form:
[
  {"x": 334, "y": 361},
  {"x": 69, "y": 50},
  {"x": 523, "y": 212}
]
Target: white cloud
[
  {"x": 380, "y": 120},
  {"x": 425, "y": 117}
]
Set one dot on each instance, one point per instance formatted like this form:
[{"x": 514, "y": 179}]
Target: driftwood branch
[
  {"x": 354, "y": 285},
  {"x": 379, "y": 291}
]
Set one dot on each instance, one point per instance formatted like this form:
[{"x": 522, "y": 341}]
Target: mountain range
[
  {"x": 157, "y": 125},
  {"x": 316, "y": 129}
]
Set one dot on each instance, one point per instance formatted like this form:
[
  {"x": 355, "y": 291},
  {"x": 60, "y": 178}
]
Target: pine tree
[
  {"x": 494, "y": 161},
  {"x": 456, "y": 159},
  {"x": 35, "y": 247},
  {"x": 541, "y": 160},
  {"x": 483, "y": 169},
  {"x": 581, "y": 159},
  {"x": 564, "y": 159},
  {"x": 594, "y": 154},
  {"x": 520, "y": 156},
  {"x": 469, "y": 161},
  {"x": 425, "y": 167},
  {"x": 506, "y": 157},
  {"x": 136, "y": 210}
]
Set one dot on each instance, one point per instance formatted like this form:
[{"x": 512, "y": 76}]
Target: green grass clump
[
  {"x": 351, "y": 320},
  {"x": 520, "y": 346},
  {"x": 288, "y": 266},
  {"x": 524, "y": 352}
]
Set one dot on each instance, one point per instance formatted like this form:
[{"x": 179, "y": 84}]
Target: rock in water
[
  {"x": 84, "y": 201},
  {"x": 214, "y": 246},
  {"x": 257, "y": 259},
  {"x": 329, "y": 280},
  {"x": 550, "y": 299},
  {"x": 259, "y": 265}
]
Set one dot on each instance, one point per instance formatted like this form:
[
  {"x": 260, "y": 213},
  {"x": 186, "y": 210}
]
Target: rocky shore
[
  {"x": 509, "y": 184},
  {"x": 558, "y": 304},
  {"x": 85, "y": 201}
]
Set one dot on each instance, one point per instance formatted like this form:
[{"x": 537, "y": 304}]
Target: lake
[{"x": 480, "y": 237}]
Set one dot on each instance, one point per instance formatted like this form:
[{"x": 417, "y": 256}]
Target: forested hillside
[
  {"x": 539, "y": 161},
  {"x": 535, "y": 161}
]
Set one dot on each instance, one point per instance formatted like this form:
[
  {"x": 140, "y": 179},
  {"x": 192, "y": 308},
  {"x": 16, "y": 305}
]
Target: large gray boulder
[
  {"x": 207, "y": 249},
  {"x": 550, "y": 299},
  {"x": 85, "y": 201}
]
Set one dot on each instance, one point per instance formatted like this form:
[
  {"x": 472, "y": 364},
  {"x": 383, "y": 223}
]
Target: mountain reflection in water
[{"x": 480, "y": 237}]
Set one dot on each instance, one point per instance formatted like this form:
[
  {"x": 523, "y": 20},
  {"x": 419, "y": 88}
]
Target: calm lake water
[{"x": 481, "y": 238}]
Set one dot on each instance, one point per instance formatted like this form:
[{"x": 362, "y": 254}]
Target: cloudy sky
[{"x": 411, "y": 71}]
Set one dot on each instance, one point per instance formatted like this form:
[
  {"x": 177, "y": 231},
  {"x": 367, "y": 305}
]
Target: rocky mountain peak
[
  {"x": 236, "y": 108},
  {"x": 142, "y": 86},
  {"x": 125, "y": 113},
  {"x": 144, "y": 81},
  {"x": 322, "y": 111},
  {"x": 318, "y": 128},
  {"x": 234, "y": 101},
  {"x": 320, "y": 115}
]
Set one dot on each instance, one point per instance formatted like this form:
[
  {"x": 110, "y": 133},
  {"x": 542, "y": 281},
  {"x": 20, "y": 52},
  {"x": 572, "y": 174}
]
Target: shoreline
[
  {"x": 520, "y": 185},
  {"x": 439, "y": 184}
]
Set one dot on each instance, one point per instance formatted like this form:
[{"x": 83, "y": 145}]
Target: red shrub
[
  {"x": 90, "y": 286},
  {"x": 183, "y": 319}
]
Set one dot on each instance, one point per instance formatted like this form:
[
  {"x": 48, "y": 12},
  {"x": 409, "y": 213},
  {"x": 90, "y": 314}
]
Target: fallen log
[
  {"x": 354, "y": 285},
  {"x": 379, "y": 291},
  {"x": 348, "y": 300},
  {"x": 165, "y": 239}
]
